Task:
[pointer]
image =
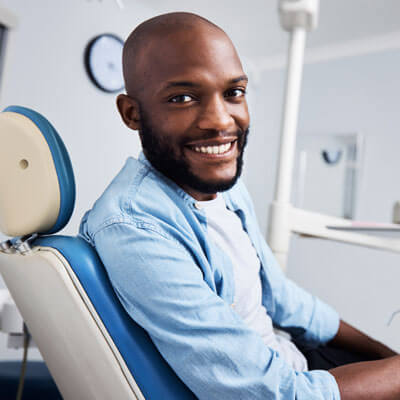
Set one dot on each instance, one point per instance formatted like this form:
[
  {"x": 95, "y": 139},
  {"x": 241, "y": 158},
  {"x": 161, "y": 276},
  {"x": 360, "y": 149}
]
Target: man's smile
[{"x": 214, "y": 150}]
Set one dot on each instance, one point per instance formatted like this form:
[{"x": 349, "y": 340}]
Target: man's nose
[{"x": 215, "y": 116}]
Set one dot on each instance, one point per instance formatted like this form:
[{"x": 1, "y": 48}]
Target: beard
[{"x": 161, "y": 155}]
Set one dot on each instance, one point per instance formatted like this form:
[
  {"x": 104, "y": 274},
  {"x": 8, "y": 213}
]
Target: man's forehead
[
  {"x": 172, "y": 46},
  {"x": 184, "y": 58}
]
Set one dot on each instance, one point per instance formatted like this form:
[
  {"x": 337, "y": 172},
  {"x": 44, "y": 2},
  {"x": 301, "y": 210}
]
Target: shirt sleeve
[
  {"x": 205, "y": 342},
  {"x": 307, "y": 318}
]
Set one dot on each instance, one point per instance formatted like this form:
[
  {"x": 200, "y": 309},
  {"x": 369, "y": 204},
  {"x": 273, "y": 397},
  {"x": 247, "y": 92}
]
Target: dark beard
[{"x": 162, "y": 157}]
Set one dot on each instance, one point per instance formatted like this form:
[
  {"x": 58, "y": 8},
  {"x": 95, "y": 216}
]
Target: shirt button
[{"x": 198, "y": 206}]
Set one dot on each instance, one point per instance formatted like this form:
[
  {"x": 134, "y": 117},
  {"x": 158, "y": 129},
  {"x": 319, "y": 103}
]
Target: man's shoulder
[{"x": 137, "y": 194}]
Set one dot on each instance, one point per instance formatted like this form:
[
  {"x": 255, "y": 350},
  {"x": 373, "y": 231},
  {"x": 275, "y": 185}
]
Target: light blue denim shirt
[{"x": 176, "y": 284}]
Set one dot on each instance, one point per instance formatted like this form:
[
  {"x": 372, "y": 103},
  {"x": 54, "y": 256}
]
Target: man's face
[{"x": 193, "y": 115}]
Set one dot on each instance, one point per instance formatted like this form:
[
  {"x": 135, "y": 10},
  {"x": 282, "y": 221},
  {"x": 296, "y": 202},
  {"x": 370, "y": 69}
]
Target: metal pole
[
  {"x": 279, "y": 227},
  {"x": 297, "y": 17},
  {"x": 290, "y": 115}
]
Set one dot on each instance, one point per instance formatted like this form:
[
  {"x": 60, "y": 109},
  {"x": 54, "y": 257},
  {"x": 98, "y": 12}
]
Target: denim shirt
[{"x": 174, "y": 282}]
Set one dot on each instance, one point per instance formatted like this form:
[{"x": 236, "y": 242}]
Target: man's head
[{"x": 186, "y": 97}]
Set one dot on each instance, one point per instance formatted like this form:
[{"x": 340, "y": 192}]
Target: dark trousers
[{"x": 327, "y": 357}]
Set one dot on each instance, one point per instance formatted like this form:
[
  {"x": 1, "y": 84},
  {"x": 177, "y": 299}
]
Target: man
[{"x": 177, "y": 233}]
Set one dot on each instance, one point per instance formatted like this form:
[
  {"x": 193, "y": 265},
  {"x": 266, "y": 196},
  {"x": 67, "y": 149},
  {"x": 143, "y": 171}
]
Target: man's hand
[{"x": 352, "y": 339}]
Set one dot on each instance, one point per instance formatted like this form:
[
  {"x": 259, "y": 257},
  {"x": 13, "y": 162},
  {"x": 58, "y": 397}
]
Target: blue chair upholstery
[{"x": 152, "y": 374}]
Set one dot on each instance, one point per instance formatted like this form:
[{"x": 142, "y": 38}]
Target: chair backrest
[{"x": 92, "y": 347}]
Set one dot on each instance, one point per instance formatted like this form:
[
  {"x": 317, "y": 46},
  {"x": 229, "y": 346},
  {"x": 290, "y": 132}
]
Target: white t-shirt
[{"x": 225, "y": 229}]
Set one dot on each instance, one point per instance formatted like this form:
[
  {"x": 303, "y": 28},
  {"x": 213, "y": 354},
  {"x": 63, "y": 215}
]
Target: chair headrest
[{"x": 37, "y": 186}]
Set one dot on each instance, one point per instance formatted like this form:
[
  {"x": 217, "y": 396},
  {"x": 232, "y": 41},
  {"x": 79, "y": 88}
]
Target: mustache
[{"x": 209, "y": 135}]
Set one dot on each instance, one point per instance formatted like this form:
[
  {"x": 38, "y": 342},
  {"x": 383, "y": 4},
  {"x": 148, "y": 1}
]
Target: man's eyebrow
[
  {"x": 239, "y": 79},
  {"x": 173, "y": 84}
]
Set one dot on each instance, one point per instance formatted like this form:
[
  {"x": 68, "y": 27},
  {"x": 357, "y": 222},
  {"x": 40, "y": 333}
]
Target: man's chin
[{"x": 212, "y": 187}]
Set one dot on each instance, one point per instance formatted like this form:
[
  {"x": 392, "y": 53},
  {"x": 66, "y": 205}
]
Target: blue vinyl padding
[
  {"x": 62, "y": 165},
  {"x": 153, "y": 375}
]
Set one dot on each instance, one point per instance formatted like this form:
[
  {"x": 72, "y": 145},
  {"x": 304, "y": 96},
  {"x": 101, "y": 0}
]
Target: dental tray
[{"x": 369, "y": 228}]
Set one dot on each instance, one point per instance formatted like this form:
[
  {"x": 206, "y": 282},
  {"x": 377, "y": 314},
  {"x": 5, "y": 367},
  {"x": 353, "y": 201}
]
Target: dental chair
[{"x": 91, "y": 346}]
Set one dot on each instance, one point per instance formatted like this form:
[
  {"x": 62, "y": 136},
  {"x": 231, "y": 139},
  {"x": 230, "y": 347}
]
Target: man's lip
[{"x": 214, "y": 142}]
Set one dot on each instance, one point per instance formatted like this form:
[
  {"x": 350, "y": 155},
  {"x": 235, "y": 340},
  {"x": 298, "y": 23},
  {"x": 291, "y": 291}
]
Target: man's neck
[{"x": 199, "y": 196}]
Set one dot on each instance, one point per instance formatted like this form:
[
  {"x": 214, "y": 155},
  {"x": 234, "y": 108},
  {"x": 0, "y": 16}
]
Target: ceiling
[{"x": 254, "y": 26}]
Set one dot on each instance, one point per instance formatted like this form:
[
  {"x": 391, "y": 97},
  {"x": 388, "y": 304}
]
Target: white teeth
[{"x": 223, "y": 148}]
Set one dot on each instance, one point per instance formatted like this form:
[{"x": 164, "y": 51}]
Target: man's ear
[{"x": 129, "y": 110}]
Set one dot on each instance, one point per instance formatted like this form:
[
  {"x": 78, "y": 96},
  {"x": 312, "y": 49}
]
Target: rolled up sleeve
[
  {"x": 306, "y": 317},
  {"x": 205, "y": 342},
  {"x": 309, "y": 320}
]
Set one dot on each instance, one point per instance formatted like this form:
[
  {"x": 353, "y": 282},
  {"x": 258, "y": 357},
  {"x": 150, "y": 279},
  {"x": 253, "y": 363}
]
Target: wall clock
[{"x": 103, "y": 62}]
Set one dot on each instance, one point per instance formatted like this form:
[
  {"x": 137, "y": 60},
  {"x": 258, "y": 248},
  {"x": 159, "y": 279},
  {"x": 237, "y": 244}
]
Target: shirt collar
[{"x": 185, "y": 196}]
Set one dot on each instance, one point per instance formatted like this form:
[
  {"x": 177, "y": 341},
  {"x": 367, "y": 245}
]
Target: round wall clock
[{"x": 103, "y": 62}]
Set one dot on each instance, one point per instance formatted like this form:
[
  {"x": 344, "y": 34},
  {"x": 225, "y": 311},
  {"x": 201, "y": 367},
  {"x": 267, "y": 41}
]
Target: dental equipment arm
[
  {"x": 313, "y": 224},
  {"x": 299, "y": 17}
]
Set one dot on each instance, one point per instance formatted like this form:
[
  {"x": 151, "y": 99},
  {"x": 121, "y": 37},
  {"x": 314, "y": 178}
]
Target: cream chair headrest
[{"x": 37, "y": 187}]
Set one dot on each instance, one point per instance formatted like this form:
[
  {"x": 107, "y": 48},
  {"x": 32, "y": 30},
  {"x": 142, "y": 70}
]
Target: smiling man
[
  {"x": 178, "y": 235},
  {"x": 188, "y": 103}
]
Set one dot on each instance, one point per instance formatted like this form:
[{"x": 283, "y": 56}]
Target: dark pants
[{"x": 327, "y": 357}]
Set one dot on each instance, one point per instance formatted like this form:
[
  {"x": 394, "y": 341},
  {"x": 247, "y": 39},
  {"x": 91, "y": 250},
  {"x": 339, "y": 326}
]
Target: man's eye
[
  {"x": 182, "y": 98},
  {"x": 238, "y": 92}
]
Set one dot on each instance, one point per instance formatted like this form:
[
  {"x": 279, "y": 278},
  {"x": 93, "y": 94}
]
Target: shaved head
[
  {"x": 148, "y": 36},
  {"x": 185, "y": 96}
]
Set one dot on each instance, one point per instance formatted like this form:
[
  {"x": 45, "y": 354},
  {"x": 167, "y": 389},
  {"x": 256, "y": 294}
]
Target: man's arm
[
  {"x": 378, "y": 380},
  {"x": 366, "y": 380},
  {"x": 351, "y": 338}
]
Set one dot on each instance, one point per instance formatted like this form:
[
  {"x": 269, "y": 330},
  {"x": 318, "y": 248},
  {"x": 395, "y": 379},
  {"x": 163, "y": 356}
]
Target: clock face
[{"x": 103, "y": 61}]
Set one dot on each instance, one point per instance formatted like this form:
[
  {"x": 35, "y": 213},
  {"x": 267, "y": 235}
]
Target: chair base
[{"x": 38, "y": 382}]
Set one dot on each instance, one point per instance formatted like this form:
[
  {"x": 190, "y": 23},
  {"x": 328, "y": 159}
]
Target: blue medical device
[{"x": 92, "y": 347}]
